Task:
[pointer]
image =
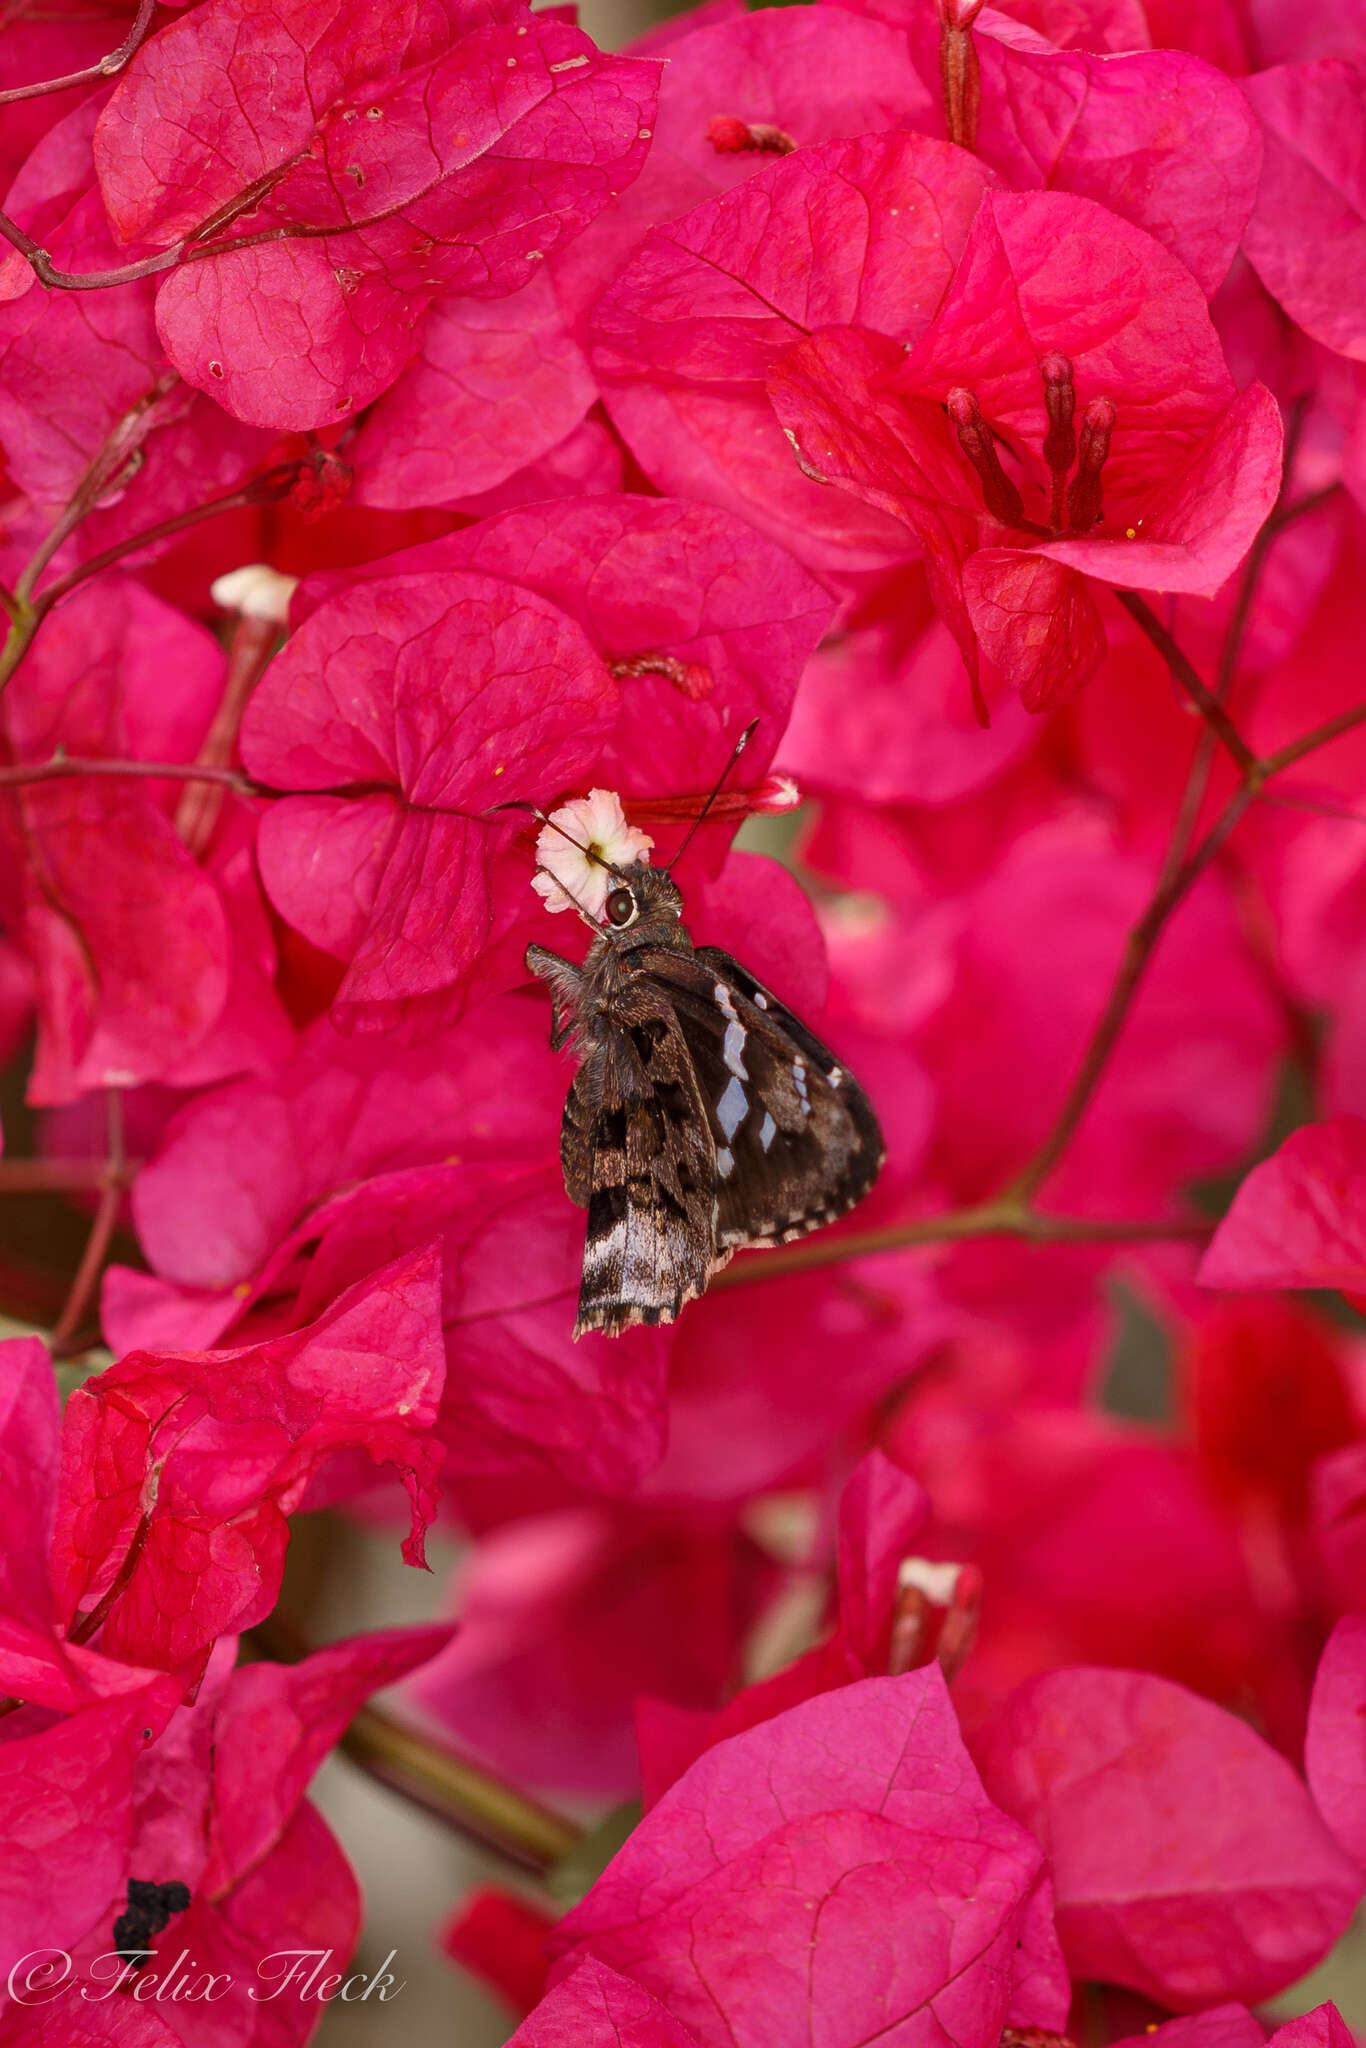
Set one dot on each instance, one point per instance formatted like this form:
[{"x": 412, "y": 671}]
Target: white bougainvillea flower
[{"x": 574, "y": 843}]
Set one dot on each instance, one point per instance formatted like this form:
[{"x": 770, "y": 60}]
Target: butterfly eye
[{"x": 621, "y": 907}]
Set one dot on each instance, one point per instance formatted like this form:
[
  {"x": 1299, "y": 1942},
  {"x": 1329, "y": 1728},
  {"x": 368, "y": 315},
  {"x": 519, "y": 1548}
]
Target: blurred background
[{"x": 414, "y": 1871}]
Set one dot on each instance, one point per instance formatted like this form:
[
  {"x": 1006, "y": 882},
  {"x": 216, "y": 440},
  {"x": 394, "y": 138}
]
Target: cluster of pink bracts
[{"x": 976, "y": 396}]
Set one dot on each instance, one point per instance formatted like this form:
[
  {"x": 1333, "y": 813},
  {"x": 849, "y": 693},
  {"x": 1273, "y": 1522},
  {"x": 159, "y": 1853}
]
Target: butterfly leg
[{"x": 565, "y": 982}]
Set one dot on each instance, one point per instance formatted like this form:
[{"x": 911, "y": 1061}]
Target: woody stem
[
  {"x": 266, "y": 489},
  {"x": 101, "y": 1230},
  {"x": 1186, "y": 674},
  {"x": 1011, "y": 1212},
  {"x": 1178, "y": 873},
  {"x": 63, "y": 767},
  {"x": 1005, "y": 1217},
  {"x": 1138, "y": 952},
  {"x": 454, "y": 1791},
  {"x": 27, "y": 611},
  {"x": 108, "y": 67}
]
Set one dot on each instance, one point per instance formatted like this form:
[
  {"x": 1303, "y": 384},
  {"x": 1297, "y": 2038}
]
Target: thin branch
[
  {"x": 65, "y": 766},
  {"x": 94, "y": 74},
  {"x": 460, "y": 1794},
  {"x": 1143, "y": 939},
  {"x": 84, "y": 1626},
  {"x": 1182, "y": 668},
  {"x": 1286, "y": 515},
  {"x": 457, "y": 1793},
  {"x": 1317, "y": 807},
  {"x": 1310, "y": 742},
  {"x": 205, "y": 241},
  {"x": 101, "y": 1230},
  {"x": 1192, "y": 803},
  {"x": 1008, "y": 1217},
  {"x": 30, "y": 611},
  {"x": 46, "y": 271},
  {"x": 1137, "y": 954},
  {"x": 266, "y": 489},
  {"x": 114, "y": 462},
  {"x": 185, "y": 250},
  {"x": 56, "y": 1176},
  {"x": 1282, "y": 514},
  {"x": 201, "y": 802},
  {"x": 1180, "y": 868}
]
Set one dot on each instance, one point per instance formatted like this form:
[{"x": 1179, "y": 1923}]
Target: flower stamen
[
  {"x": 978, "y": 443},
  {"x": 1060, "y": 442},
  {"x": 1083, "y": 500}
]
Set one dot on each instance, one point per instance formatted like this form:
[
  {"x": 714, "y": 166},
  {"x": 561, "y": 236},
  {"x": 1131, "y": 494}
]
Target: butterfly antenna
[{"x": 735, "y": 753}]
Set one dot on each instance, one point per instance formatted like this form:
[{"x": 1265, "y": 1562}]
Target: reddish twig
[
  {"x": 1179, "y": 874},
  {"x": 253, "y": 644},
  {"x": 1138, "y": 953},
  {"x": 187, "y": 249},
  {"x": 266, "y": 489},
  {"x": 28, "y": 611},
  {"x": 1007, "y": 1217},
  {"x": 93, "y": 74},
  {"x": 101, "y": 1230},
  {"x": 203, "y": 242},
  {"x": 86, "y": 1625},
  {"x": 1183, "y": 669},
  {"x": 1283, "y": 514},
  {"x": 46, "y": 271},
  {"x": 56, "y": 1176},
  {"x": 1011, "y": 1213},
  {"x": 1310, "y": 742},
  {"x": 65, "y": 766},
  {"x": 457, "y": 1793},
  {"x": 112, "y": 463}
]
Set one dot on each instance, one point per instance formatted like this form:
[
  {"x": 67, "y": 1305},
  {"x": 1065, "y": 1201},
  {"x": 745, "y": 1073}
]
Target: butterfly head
[{"x": 643, "y": 908}]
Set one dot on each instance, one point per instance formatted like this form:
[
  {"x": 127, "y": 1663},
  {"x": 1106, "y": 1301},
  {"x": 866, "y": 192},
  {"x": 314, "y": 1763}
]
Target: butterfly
[{"x": 704, "y": 1117}]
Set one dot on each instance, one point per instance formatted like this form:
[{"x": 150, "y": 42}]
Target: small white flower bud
[{"x": 256, "y": 591}]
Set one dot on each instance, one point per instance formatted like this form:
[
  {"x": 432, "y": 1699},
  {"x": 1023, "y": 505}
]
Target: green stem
[{"x": 460, "y": 1794}]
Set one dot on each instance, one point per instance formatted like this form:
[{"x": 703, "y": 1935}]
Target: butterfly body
[{"x": 704, "y": 1117}]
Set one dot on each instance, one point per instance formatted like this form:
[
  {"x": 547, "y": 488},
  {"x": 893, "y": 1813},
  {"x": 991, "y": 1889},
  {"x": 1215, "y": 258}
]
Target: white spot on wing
[
  {"x": 760, "y": 999},
  {"x": 835, "y": 1076},
  {"x": 767, "y": 1131},
  {"x": 733, "y": 1050},
  {"x": 799, "y": 1083},
  {"x": 725, "y": 1162},
  {"x": 730, "y": 1110}
]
